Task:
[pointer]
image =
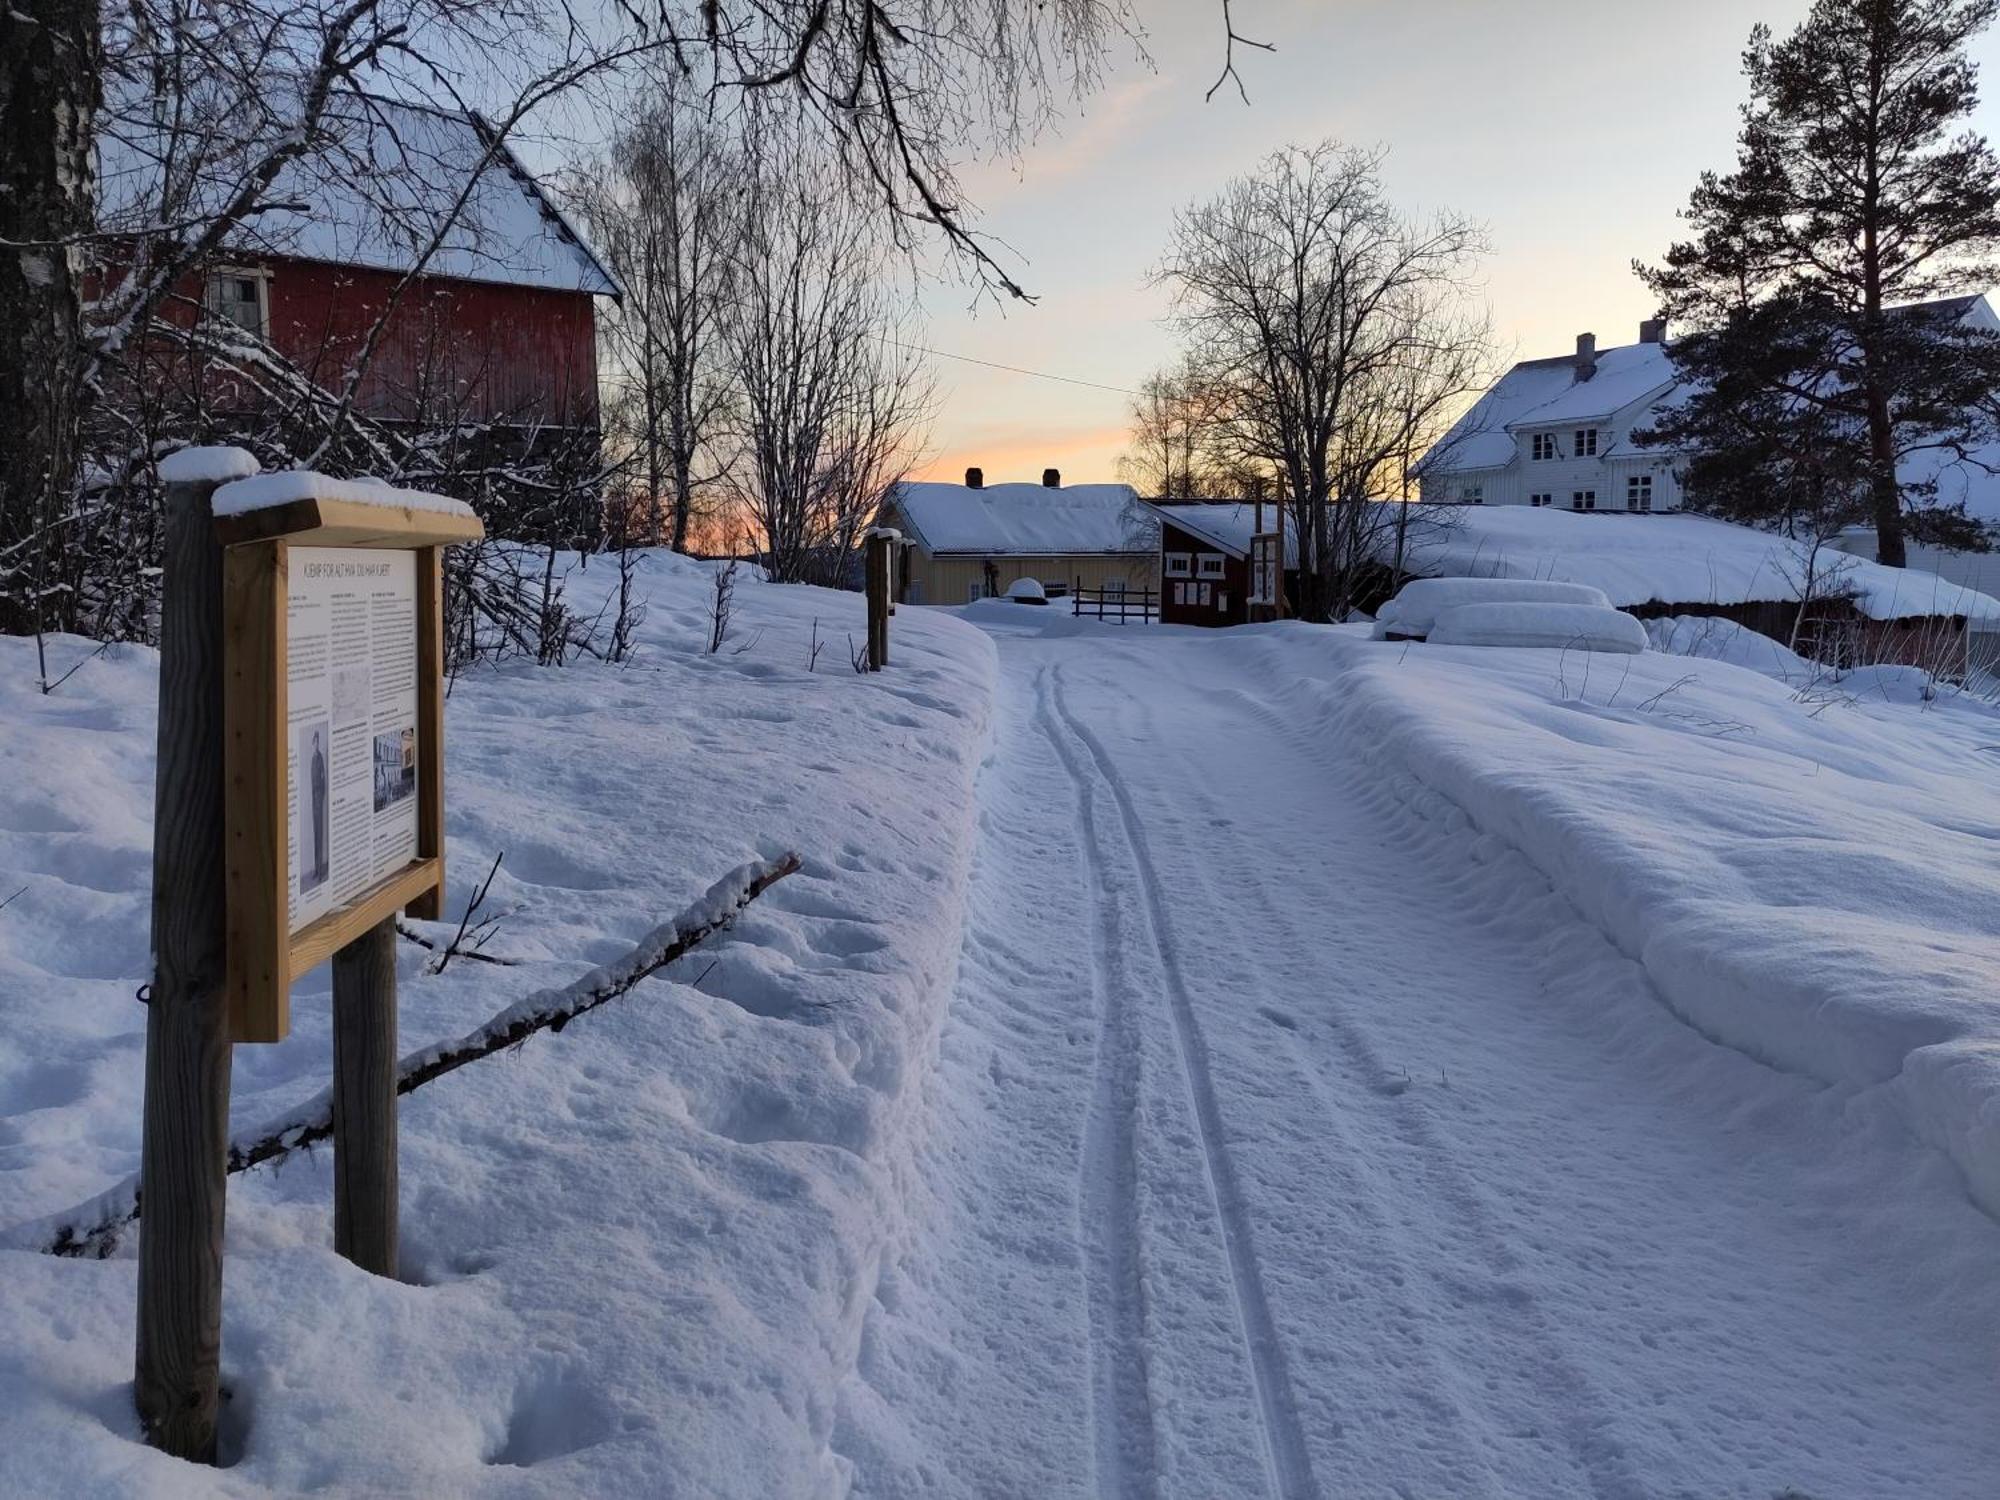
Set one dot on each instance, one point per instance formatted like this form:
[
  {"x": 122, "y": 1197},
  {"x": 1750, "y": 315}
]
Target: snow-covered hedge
[{"x": 1583, "y": 627}]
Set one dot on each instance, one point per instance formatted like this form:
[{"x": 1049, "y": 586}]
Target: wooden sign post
[
  {"x": 881, "y": 544},
  {"x": 300, "y": 807}
]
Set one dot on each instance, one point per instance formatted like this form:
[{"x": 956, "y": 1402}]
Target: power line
[{"x": 1095, "y": 385}]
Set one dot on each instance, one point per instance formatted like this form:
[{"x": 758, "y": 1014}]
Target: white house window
[
  {"x": 1210, "y": 565},
  {"x": 239, "y": 297},
  {"x": 1541, "y": 499},
  {"x": 1472, "y": 494},
  {"x": 1586, "y": 442},
  {"x": 1179, "y": 564},
  {"x": 1639, "y": 492},
  {"x": 1545, "y": 445},
  {"x": 1583, "y": 500}
]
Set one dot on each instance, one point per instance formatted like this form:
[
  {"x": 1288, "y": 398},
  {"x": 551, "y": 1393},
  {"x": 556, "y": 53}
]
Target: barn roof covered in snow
[
  {"x": 1671, "y": 559},
  {"x": 1226, "y": 525},
  {"x": 375, "y": 197},
  {"x": 1025, "y": 520}
]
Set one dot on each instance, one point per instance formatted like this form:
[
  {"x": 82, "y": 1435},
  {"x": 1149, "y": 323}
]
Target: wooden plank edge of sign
[
  {"x": 348, "y": 523},
  {"x": 429, "y": 906},
  {"x": 317, "y": 941},
  {"x": 257, "y": 989}
]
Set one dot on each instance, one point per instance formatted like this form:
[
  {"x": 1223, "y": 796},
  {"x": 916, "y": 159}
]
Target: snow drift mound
[{"x": 1813, "y": 883}]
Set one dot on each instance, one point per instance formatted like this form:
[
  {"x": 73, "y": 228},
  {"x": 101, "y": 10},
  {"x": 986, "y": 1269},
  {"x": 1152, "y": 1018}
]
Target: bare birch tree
[
  {"x": 1324, "y": 311},
  {"x": 835, "y": 401}
]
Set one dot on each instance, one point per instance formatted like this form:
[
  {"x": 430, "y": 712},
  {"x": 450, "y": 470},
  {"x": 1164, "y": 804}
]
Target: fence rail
[{"x": 1114, "y": 604}]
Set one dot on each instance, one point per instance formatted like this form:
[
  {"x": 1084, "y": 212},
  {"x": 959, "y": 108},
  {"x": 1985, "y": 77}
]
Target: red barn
[
  {"x": 1205, "y": 559},
  {"x": 498, "y": 331}
]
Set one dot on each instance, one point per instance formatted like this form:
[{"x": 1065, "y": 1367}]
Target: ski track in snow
[
  {"x": 1121, "y": 1409},
  {"x": 1289, "y": 1469},
  {"x": 1388, "y": 1174}
]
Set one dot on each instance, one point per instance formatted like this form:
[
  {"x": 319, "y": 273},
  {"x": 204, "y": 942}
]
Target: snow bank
[
  {"x": 1715, "y": 638},
  {"x": 207, "y": 465},
  {"x": 1813, "y": 880},
  {"x": 1674, "y": 559},
  {"x": 1419, "y": 602},
  {"x": 269, "y": 491},
  {"x": 637, "y": 1253},
  {"x": 1586, "y": 627}
]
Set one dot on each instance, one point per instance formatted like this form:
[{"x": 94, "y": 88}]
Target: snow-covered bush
[
  {"x": 1583, "y": 627},
  {"x": 1419, "y": 603}
]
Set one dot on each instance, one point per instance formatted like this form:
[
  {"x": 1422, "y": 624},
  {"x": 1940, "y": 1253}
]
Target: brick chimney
[
  {"x": 975, "y": 479},
  {"x": 1052, "y": 479},
  {"x": 1586, "y": 355},
  {"x": 1653, "y": 331}
]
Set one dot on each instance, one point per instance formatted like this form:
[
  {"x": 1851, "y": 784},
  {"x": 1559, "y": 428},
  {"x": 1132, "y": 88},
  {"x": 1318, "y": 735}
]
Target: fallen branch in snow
[
  {"x": 478, "y": 935},
  {"x": 91, "y": 1229}
]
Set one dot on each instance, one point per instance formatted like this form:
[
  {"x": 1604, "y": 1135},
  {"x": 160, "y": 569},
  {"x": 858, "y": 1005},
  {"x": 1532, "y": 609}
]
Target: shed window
[
  {"x": 1221, "y": 602},
  {"x": 1180, "y": 593},
  {"x": 1583, "y": 500},
  {"x": 1639, "y": 492},
  {"x": 1180, "y": 564},
  {"x": 1545, "y": 446},
  {"x": 1207, "y": 590},
  {"x": 238, "y": 297},
  {"x": 1210, "y": 565},
  {"x": 1586, "y": 442}
]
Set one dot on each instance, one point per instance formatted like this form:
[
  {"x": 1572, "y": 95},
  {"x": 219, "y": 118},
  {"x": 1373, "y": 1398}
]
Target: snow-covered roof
[
  {"x": 1672, "y": 559},
  {"x": 376, "y": 197},
  {"x": 1024, "y": 520},
  {"x": 1539, "y": 392},
  {"x": 1226, "y": 525}
]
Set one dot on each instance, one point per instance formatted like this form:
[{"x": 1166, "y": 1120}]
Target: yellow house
[{"x": 970, "y": 541}]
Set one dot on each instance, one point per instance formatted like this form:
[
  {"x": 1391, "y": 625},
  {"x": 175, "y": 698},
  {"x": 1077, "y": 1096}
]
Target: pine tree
[{"x": 1857, "y": 195}]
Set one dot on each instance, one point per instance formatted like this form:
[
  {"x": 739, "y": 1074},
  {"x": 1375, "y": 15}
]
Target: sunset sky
[{"x": 1572, "y": 128}]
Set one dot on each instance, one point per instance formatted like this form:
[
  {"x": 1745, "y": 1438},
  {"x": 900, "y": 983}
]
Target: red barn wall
[{"x": 454, "y": 349}]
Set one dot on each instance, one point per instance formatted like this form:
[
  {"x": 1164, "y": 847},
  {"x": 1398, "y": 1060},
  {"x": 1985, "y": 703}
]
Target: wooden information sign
[{"x": 333, "y": 735}]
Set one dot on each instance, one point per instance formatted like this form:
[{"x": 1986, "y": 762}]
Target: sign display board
[
  {"x": 333, "y": 733},
  {"x": 351, "y": 723}
]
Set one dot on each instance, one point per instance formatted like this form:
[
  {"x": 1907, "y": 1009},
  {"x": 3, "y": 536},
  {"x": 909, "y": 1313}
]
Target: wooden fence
[{"x": 1121, "y": 605}]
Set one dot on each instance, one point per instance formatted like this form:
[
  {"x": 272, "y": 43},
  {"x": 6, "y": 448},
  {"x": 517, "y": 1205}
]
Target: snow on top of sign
[
  {"x": 1675, "y": 559},
  {"x": 268, "y": 491},
  {"x": 1025, "y": 520},
  {"x": 207, "y": 465}
]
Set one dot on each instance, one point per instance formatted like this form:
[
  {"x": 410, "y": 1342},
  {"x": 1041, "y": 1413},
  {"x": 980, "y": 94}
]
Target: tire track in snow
[
  {"x": 1123, "y": 1438},
  {"x": 1288, "y": 1464}
]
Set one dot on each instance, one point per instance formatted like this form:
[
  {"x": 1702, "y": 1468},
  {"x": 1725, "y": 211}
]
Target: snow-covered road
[{"x": 1295, "y": 1138}]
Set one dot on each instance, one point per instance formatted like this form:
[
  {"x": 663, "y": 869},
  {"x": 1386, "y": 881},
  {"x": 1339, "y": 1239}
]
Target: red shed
[
  {"x": 1205, "y": 559},
  {"x": 500, "y": 328}
]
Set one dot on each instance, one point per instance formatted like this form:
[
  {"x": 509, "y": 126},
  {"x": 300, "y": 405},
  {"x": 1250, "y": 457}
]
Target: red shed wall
[
  {"x": 1233, "y": 586},
  {"x": 466, "y": 350}
]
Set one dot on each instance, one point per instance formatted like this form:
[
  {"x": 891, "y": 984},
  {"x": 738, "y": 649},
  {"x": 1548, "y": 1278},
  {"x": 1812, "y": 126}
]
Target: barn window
[
  {"x": 1210, "y": 565},
  {"x": 1639, "y": 492},
  {"x": 239, "y": 298},
  {"x": 1179, "y": 564},
  {"x": 1541, "y": 499},
  {"x": 975, "y": 591},
  {"x": 1586, "y": 442},
  {"x": 1545, "y": 446},
  {"x": 1583, "y": 500},
  {"x": 1180, "y": 593},
  {"x": 1472, "y": 494}
]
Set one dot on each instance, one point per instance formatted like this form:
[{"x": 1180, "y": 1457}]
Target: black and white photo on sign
[
  {"x": 395, "y": 766},
  {"x": 314, "y": 860}
]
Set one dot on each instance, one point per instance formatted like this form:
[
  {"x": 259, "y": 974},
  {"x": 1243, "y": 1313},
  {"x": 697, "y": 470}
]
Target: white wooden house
[{"x": 1559, "y": 433}]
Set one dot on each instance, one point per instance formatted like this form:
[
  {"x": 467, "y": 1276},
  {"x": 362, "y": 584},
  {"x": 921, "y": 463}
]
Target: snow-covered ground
[
  {"x": 1252, "y": 1063},
  {"x": 639, "y": 1250}
]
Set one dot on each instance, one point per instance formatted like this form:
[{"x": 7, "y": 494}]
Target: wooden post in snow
[
  {"x": 364, "y": 1100},
  {"x": 876, "y": 573},
  {"x": 183, "y": 1152}
]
